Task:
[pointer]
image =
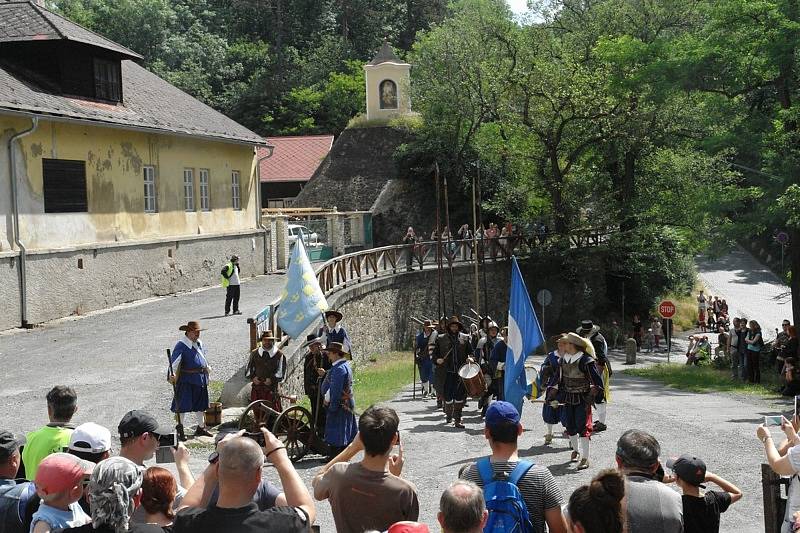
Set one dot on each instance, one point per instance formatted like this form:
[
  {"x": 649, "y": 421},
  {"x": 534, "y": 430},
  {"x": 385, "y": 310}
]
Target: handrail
[{"x": 339, "y": 272}]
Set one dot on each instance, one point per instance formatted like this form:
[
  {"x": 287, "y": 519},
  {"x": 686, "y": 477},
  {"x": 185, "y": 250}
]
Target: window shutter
[{"x": 64, "y": 186}]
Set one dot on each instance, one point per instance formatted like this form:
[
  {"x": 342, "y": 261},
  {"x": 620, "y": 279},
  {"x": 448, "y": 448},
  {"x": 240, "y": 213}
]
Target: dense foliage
[
  {"x": 280, "y": 67},
  {"x": 673, "y": 122}
]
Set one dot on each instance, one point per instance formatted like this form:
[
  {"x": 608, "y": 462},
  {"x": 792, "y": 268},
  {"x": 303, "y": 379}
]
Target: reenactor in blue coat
[
  {"x": 189, "y": 374},
  {"x": 423, "y": 358},
  {"x": 341, "y": 425},
  {"x": 332, "y": 331}
]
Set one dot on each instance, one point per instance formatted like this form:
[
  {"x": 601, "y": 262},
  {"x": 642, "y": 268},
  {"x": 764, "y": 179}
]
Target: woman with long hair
[
  {"x": 597, "y": 507},
  {"x": 754, "y": 345},
  {"x": 158, "y": 495}
]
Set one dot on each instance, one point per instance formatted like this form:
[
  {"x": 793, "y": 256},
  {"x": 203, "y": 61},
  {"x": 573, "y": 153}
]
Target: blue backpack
[{"x": 507, "y": 509}]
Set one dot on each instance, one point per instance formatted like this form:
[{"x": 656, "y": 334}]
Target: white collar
[
  {"x": 573, "y": 357},
  {"x": 342, "y": 360},
  {"x": 188, "y": 342},
  {"x": 271, "y": 352},
  {"x": 335, "y": 328}
]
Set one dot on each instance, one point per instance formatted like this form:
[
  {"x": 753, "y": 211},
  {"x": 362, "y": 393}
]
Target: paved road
[
  {"x": 718, "y": 428},
  {"x": 749, "y": 287},
  {"x": 116, "y": 359}
]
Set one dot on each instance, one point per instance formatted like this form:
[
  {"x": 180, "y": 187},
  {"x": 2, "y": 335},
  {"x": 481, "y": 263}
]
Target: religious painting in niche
[{"x": 388, "y": 91}]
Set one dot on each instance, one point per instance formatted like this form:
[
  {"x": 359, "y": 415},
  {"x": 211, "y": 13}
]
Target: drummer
[
  {"x": 489, "y": 367},
  {"x": 453, "y": 351}
]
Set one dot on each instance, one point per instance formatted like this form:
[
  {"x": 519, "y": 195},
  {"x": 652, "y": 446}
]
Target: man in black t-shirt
[
  {"x": 701, "y": 511},
  {"x": 237, "y": 470}
]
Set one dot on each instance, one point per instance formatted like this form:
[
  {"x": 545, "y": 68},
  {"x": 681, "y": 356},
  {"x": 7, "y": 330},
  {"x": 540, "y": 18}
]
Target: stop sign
[{"x": 666, "y": 309}]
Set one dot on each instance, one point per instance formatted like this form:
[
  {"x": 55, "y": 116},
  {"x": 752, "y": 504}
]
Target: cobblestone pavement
[
  {"x": 749, "y": 287},
  {"x": 116, "y": 359}
]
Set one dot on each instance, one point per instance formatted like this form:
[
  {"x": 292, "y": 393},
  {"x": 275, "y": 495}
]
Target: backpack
[{"x": 507, "y": 509}]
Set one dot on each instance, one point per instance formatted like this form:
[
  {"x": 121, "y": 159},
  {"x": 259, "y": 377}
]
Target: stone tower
[{"x": 388, "y": 82}]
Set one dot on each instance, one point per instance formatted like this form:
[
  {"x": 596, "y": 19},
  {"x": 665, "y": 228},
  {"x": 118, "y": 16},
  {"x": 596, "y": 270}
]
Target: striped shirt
[{"x": 538, "y": 488}]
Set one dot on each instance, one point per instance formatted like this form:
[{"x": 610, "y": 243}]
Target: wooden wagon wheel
[
  {"x": 293, "y": 428},
  {"x": 251, "y": 420}
]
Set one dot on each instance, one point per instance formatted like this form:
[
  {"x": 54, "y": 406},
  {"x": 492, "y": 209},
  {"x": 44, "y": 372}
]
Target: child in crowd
[
  {"x": 701, "y": 511},
  {"x": 59, "y": 483}
]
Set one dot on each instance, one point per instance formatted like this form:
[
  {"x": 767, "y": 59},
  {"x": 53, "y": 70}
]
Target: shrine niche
[{"x": 388, "y": 92}]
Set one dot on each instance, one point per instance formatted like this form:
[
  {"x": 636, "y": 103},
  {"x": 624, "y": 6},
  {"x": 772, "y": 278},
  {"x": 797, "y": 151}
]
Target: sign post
[
  {"x": 545, "y": 298},
  {"x": 667, "y": 310}
]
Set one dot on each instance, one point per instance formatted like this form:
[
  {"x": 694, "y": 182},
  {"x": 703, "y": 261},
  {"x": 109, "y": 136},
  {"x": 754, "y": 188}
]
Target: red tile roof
[{"x": 295, "y": 158}]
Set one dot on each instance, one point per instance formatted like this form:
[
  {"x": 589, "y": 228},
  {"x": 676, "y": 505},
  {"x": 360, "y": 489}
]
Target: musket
[
  {"x": 470, "y": 319},
  {"x": 551, "y": 403},
  {"x": 417, "y": 320},
  {"x": 172, "y": 374}
]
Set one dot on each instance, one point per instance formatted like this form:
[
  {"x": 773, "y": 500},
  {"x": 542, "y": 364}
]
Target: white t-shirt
[
  {"x": 734, "y": 337},
  {"x": 702, "y": 304},
  {"x": 234, "y": 280}
]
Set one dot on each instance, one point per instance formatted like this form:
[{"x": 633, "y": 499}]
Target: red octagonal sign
[{"x": 666, "y": 309}]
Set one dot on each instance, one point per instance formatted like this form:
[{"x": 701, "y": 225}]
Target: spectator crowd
[{"x": 66, "y": 478}]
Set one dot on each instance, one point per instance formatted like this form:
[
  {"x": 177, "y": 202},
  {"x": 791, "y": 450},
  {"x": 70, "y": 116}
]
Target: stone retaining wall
[{"x": 377, "y": 311}]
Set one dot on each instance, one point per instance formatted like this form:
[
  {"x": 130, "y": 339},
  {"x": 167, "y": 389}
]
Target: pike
[
  {"x": 470, "y": 319},
  {"x": 417, "y": 320}
]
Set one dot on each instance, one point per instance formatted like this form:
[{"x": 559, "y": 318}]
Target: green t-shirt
[{"x": 40, "y": 444}]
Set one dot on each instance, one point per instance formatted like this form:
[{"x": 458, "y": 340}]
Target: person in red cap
[
  {"x": 408, "y": 527},
  {"x": 59, "y": 483}
]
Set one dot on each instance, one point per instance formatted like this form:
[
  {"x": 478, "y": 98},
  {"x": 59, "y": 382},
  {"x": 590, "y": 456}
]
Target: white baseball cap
[{"x": 91, "y": 438}]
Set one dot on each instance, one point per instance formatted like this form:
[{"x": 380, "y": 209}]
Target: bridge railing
[{"x": 348, "y": 269}]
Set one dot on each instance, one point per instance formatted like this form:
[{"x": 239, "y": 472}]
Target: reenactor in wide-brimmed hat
[
  {"x": 315, "y": 364},
  {"x": 453, "y": 349},
  {"x": 486, "y": 345},
  {"x": 266, "y": 369},
  {"x": 189, "y": 374},
  {"x": 423, "y": 358},
  {"x": 341, "y": 425},
  {"x": 574, "y": 386},
  {"x": 333, "y": 331}
]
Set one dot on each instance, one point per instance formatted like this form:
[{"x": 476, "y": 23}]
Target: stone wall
[
  {"x": 82, "y": 279},
  {"x": 377, "y": 311}
]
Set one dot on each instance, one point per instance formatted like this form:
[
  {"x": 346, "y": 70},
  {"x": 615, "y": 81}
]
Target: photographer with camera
[
  {"x": 236, "y": 468},
  {"x": 784, "y": 460}
]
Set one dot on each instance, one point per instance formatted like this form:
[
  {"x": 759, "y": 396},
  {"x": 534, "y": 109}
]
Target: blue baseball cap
[{"x": 501, "y": 412}]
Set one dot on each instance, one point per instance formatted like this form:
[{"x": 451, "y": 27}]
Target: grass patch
[
  {"x": 380, "y": 380},
  {"x": 215, "y": 390},
  {"x": 685, "y": 318},
  {"x": 707, "y": 379}
]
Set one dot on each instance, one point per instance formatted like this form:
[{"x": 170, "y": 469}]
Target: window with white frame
[
  {"x": 236, "y": 192},
  {"x": 150, "y": 190},
  {"x": 204, "y": 203},
  {"x": 188, "y": 189}
]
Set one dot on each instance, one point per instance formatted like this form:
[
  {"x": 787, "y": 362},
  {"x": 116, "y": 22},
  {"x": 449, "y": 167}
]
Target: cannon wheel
[
  {"x": 248, "y": 420},
  {"x": 293, "y": 428}
]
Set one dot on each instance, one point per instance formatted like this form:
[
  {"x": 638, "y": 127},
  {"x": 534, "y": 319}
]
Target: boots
[
  {"x": 181, "y": 434},
  {"x": 457, "y": 408},
  {"x": 448, "y": 412}
]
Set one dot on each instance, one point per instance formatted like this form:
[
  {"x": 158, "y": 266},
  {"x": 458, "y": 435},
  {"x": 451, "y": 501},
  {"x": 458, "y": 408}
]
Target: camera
[
  {"x": 256, "y": 436},
  {"x": 168, "y": 441}
]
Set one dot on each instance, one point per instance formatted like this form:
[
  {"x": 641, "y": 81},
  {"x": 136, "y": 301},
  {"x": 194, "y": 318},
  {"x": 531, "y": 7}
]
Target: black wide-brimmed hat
[
  {"x": 335, "y": 347},
  {"x": 337, "y": 314}
]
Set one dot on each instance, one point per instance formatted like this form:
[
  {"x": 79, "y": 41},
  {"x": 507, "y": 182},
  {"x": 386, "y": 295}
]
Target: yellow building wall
[{"x": 115, "y": 159}]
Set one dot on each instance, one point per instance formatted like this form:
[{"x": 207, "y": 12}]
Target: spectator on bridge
[
  {"x": 59, "y": 484},
  {"x": 754, "y": 345},
  {"x": 597, "y": 507},
  {"x": 491, "y": 235},
  {"x": 542, "y": 495},
  {"x": 62, "y": 402},
  {"x": 465, "y": 236},
  {"x": 115, "y": 492},
  {"x": 701, "y": 512},
  {"x": 651, "y": 505},
  {"x": 237, "y": 470},
  {"x": 410, "y": 240},
  {"x": 14, "y": 494},
  {"x": 462, "y": 508},
  {"x": 784, "y": 460},
  {"x": 376, "y": 478}
]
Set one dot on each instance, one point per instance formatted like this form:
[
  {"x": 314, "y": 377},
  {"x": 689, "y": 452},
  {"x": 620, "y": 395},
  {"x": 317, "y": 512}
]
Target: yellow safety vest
[{"x": 226, "y": 280}]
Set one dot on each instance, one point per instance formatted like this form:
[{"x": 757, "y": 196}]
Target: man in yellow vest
[
  {"x": 230, "y": 280},
  {"x": 62, "y": 402}
]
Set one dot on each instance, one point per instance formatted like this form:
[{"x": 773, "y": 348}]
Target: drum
[{"x": 473, "y": 380}]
